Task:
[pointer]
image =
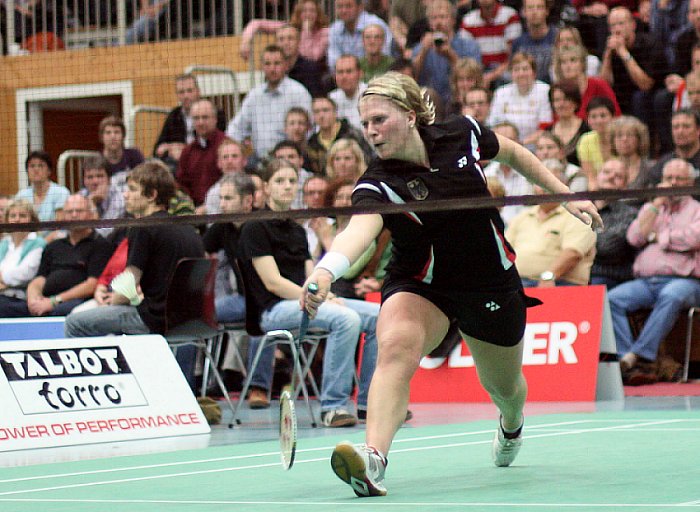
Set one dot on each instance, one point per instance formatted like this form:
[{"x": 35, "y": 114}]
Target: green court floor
[{"x": 626, "y": 460}]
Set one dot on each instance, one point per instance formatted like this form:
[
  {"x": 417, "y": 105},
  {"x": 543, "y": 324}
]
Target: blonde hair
[
  {"x": 405, "y": 93},
  {"x": 341, "y": 145},
  {"x": 468, "y": 67},
  {"x": 21, "y": 204},
  {"x": 640, "y": 131},
  {"x": 579, "y": 51}
]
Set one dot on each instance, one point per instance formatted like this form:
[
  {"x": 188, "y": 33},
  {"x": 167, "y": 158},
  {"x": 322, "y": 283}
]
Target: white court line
[
  {"x": 256, "y": 466},
  {"x": 545, "y": 427},
  {"x": 376, "y": 504}
]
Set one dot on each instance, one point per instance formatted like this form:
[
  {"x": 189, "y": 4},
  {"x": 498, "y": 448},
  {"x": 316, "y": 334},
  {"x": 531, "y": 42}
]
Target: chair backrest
[
  {"x": 191, "y": 293},
  {"x": 252, "y": 313}
]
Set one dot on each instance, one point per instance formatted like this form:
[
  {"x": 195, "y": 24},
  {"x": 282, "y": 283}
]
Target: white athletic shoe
[
  {"x": 360, "y": 467},
  {"x": 505, "y": 450}
]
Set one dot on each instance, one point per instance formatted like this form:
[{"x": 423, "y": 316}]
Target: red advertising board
[{"x": 560, "y": 360}]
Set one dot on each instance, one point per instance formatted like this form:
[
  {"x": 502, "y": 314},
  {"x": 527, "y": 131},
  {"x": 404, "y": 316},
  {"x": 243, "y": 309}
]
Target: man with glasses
[{"x": 667, "y": 234}]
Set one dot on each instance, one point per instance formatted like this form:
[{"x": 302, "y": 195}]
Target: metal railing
[
  {"x": 47, "y": 25},
  {"x": 69, "y": 171},
  {"x": 218, "y": 84},
  {"x": 146, "y": 122}
]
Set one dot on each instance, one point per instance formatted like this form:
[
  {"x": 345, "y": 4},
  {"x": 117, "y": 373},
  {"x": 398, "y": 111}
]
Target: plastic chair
[
  {"x": 190, "y": 316},
  {"x": 689, "y": 341}
]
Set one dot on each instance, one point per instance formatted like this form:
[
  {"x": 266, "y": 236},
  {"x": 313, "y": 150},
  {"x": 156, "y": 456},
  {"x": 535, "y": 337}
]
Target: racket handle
[{"x": 313, "y": 289}]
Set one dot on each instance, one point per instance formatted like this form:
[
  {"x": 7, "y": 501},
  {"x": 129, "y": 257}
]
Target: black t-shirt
[
  {"x": 65, "y": 265},
  {"x": 284, "y": 240},
  {"x": 225, "y": 235},
  {"x": 650, "y": 56},
  {"x": 155, "y": 250},
  {"x": 449, "y": 250}
]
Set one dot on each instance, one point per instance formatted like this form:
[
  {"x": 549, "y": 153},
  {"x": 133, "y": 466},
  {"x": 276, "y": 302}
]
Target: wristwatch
[
  {"x": 547, "y": 275},
  {"x": 56, "y": 300}
]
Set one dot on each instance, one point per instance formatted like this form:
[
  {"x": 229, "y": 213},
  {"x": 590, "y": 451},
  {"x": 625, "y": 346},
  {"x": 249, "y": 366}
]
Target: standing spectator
[
  {"x": 120, "y": 160},
  {"x": 495, "y": 27},
  {"x": 565, "y": 100},
  {"x": 634, "y": 65},
  {"x": 42, "y": 193},
  {"x": 665, "y": 270},
  {"x": 348, "y": 78},
  {"x": 69, "y": 268},
  {"x": 465, "y": 76},
  {"x": 197, "y": 169},
  {"x": 525, "y": 102},
  {"x": 594, "y": 147},
  {"x": 178, "y": 129},
  {"x": 330, "y": 129},
  {"x": 667, "y": 21},
  {"x": 630, "y": 144},
  {"x": 107, "y": 198},
  {"x": 569, "y": 65},
  {"x": 687, "y": 39},
  {"x": 230, "y": 159},
  {"x": 685, "y": 132},
  {"x": 345, "y": 34},
  {"x": 309, "y": 73},
  {"x": 614, "y": 255},
  {"x": 20, "y": 253},
  {"x": 307, "y": 17},
  {"x": 261, "y": 117},
  {"x": 439, "y": 49},
  {"x": 374, "y": 62},
  {"x": 538, "y": 38}
]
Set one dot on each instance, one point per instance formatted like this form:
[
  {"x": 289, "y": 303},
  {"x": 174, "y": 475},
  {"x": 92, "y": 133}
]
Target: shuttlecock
[{"x": 125, "y": 284}]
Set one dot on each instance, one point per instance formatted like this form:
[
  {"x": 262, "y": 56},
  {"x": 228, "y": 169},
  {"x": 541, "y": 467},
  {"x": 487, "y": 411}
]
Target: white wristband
[{"x": 336, "y": 263}]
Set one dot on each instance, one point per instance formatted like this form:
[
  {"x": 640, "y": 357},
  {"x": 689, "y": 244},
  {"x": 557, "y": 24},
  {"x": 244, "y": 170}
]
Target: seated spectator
[
  {"x": 120, "y": 159},
  {"x": 4, "y": 201},
  {"x": 524, "y": 102},
  {"x": 348, "y": 78},
  {"x": 330, "y": 129},
  {"x": 312, "y": 74},
  {"x": 538, "y": 36},
  {"x": 345, "y": 161},
  {"x": 594, "y": 147},
  {"x": 593, "y": 22},
  {"x": 307, "y": 17},
  {"x": 152, "y": 256},
  {"x": 318, "y": 230},
  {"x": 230, "y": 159},
  {"x": 69, "y": 268},
  {"x": 107, "y": 198},
  {"x": 404, "y": 15},
  {"x": 514, "y": 183},
  {"x": 630, "y": 144},
  {"x": 688, "y": 93},
  {"x": 345, "y": 34},
  {"x": 566, "y": 99},
  {"x": 145, "y": 27},
  {"x": 374, "y": 63},
  {"x": 261, "y": 116},
  {"x": 553, "y": 248},
  {"x": 260, "y": 195},
  {"x": 666, "y": 270},
  {"x": 402, "y": 65},
  {"x": 439, "y": 49},
  {"x": 42, "y": 193},
  {"x": 178, "y": 129},
  {"x": 494, "y": 26},
  {"x": 569, "y": 65},
  {"x": 20, "y": 254},
  {"x": 275, "y": 260},
  {"x": 297, "y": 125},
  {"x": 568, "y": 37},
  {"x": 477, "y": 103},
  {"x": 614, "y": 255},
  {"x": 685, "y": 132},
  {"x": 235, "y": 196},
  {"x": 291, "y": 152},
  {"x": 197, "y": 169},
  {"x": 547, "y": 147},
  {"x": 465, "y": 76}
]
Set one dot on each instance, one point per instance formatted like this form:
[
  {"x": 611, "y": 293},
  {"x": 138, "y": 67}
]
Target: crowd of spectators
[{"x": 590, "y": 89}]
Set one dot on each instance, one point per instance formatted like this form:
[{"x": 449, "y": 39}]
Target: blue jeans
[
  {"x": 609, "y": 282},
  {"x": 344, "y": 324},
  {"x": 667, "y": 296},
  {"x": 230, "y": 308}
]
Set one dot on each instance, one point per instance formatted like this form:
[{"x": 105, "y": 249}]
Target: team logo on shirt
[
  {"x": 462, "y": 162},
  {"x": 417, "y": 189}
]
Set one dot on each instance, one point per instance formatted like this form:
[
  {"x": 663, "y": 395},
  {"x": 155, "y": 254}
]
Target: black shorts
[{"x": 494, "y": 317}]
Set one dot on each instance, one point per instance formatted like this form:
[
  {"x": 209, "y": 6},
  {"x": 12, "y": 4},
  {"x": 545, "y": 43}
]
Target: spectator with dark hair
[
  {"x": 538, "y": 37},
  {"x": 154, "y": 251},
  {"x": 69, "y": 268},
  {"x": 262, "y": 114},
  {"x": 197, "y": 169},
  {"x": 297, "y": 125},
  {"x": 403, "y": 16},
  {"x": 312, "y": 74},
  {"x": 686, "y": 39},
  {"x": 375, "y": 62},
  {"x": 42, "y": 193},
  {"x": 548, "y": 147},
  {"x": 594, "y": 147},
  {"x": 120, "y": 159},
  {"x": 178, "y": 129},
  {"x": 439, "y": 49},
  {"x": 345, "y": 34},
  {"x": 330, "y": 129},
  {"x": 685, "y": 132},
  {"x": 107, "y": 198},
  {"x": 402, "y": 65},
  {"x": 477, "y": 103},
  {"x": 4, "y": 201},
  {"x": 348, "y": 78},
  {"x": 291, "y": 152},
  {"x": 565, "y": 99}
]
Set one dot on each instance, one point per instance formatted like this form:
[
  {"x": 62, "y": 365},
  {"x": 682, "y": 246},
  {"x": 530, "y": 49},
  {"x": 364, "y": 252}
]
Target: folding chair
[
  {"x": 689, "y": 341},
  {"x": 190, "y": 314}
]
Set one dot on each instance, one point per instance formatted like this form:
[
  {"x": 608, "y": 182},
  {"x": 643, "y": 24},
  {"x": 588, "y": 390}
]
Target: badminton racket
[{"x": 288, "y": 430}]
